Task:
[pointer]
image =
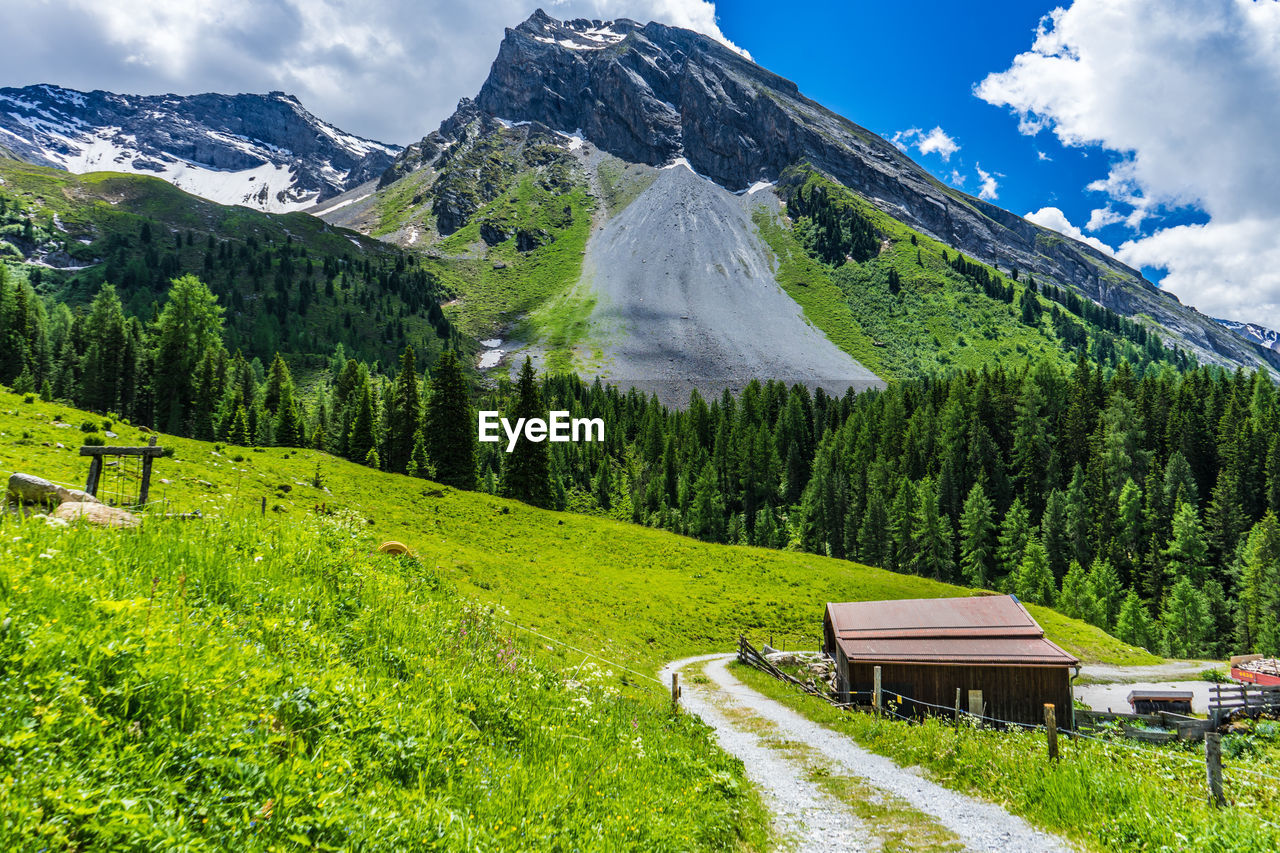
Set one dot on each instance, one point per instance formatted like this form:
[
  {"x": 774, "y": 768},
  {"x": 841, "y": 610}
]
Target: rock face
[
  {"x": 651, "y": 93},
  {"x": 262, "y": 151}
]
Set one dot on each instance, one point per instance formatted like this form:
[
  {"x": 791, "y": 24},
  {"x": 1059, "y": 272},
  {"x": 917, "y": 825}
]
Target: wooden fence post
[
  {"x": 1213, "y": 767},
  {"x": 1051, "y": 729},
  {"x": 957, "y": 718},
  {"x": 675, "y": 692},
  {"x": 264, "y": 506},
  {"x": 876, "y": 699}
]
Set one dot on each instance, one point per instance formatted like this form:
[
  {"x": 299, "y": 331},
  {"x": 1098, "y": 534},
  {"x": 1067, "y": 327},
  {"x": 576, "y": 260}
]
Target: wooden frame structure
[{"x": 96, "y": 454}]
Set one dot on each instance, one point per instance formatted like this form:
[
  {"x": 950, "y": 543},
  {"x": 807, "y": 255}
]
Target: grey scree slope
[{"x": 686, "y": 298}]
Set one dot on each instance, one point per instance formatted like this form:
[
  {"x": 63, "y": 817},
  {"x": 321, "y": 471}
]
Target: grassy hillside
[
  {"x": 290, "y": 283},
  {"x": 630, "y": 594},
  {"x": 907, "y": 312},
  {"x": 247, "y": 684}
]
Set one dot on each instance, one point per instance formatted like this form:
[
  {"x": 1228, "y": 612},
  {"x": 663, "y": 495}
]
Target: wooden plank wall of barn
[{"x": 1014, "y": 693}]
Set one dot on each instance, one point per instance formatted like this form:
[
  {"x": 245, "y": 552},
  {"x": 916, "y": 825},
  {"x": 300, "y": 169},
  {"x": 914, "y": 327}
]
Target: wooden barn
[{"x": 987, "y": 647}]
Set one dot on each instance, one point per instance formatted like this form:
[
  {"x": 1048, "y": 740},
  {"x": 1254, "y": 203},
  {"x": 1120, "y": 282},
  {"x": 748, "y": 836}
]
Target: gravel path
[
  {"x": 980, "y": 825},
  {"x": 804, "y": 815}
]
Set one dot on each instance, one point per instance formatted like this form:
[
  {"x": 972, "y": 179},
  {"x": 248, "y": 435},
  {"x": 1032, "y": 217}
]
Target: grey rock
[{"x": 29, "y": 489}]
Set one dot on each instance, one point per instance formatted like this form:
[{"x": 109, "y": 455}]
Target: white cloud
[
  {"x": 1040, "y": 155},
  {"x": 1053, "y": 217},
  {"x": 935, "y": 141},
  {"x": 1187, "y": 94},
  {"x": 1101, "y": 217},
  {"x": 390, "y": 70},
  {"x": 987, "y": 184},
  {"x": 957, "y": 179}
]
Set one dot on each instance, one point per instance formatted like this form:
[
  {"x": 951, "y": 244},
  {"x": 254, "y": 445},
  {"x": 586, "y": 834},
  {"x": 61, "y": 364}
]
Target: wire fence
[{"x": 892, "y": 709}]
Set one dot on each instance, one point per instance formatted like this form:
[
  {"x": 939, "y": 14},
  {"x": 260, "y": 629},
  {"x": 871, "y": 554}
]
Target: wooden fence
[{"x": 1249, "y": 700}]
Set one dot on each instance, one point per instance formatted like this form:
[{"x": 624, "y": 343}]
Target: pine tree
[
  {"x": 1106, "y": 593},
  {"x": 1015, "y": 532},
  {"x": 1185, "y": 619},
  {"x": 1076, "y": 598},
  {"x": 527, "y": 473},
  {"x": 931, "y": 536},
  {"x": 449, "y": 426},
  {"x": 1033, "y": 581},
  {"x": 404, "y": 415},
  {"x": 1258, "y": 611},
  {"x": 1134, "y": 624},
  {"x": 1187, "y": 555},
  {"x": 977, "y": 538},
  {"x": 362, "y": 439}
]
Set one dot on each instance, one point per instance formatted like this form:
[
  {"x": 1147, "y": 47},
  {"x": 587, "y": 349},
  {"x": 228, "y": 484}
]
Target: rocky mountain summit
[
  {"x": 263, "y": 151},
  {"x": 652, "y": 93}
]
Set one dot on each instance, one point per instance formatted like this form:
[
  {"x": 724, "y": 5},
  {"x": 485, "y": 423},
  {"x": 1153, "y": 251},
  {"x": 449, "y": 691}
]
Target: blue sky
[{"x": 895, "y": 66}]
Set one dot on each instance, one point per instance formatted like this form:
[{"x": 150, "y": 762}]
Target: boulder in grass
[
  {"x": 29, "y": 489},
  {"x": 95, "y": 513},
  {"x": 75, "y": 496}
]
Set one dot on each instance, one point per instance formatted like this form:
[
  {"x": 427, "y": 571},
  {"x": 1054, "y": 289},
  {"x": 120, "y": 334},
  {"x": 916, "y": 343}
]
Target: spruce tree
[
  {"x": 977, "y": 538},
  {"x": 1033, "y": 581},
  {"x": 1185, "y": 620},
  {"x": 449, "y": 429},
  {"x": 238, "y": 434},
  {"x": 288, "y": 422},
  {"x": 1015, "y": 533},
  {"x": 404, "y": 415},
  {"x": 526, "y": 476},
  {"x": 1258, "y": 611},
  {"x": 1075, "y": 599},
  {"x": 1106, "y": 592},
  {"x": 1134, "y": 624},
  {"x": 1187, "y": 555},
  {"x": 362, "y": 440},
  {"x": 931, "y": 536}
]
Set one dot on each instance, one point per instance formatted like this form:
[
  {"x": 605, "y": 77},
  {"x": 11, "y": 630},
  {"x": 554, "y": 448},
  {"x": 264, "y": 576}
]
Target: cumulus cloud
[
  {"x": 1053, "y": 217},
  {"x": 1186, "y": 96},
  {"x": 935, "y": 141},
  {"x": 1101, "y": 217},
  {"x": 987, "y": 186},
  {"x": 390, "y": 70}
]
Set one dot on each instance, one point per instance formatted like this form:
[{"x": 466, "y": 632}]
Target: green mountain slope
[
  {"x": 631, "y": 594},
  {"x": 291, "y": 283}
]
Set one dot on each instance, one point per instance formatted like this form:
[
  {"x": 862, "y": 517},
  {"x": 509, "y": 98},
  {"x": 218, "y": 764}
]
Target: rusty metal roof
[{"x": 988, "y": 630}]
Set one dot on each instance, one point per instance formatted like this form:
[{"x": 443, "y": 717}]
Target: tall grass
[{"x": 245, "y": 684}]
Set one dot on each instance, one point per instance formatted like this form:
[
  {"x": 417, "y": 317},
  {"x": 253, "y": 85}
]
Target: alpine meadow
[{"x": 511, "y": 487}]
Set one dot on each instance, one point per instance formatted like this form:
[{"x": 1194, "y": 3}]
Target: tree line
[{"x": 1143, "y": 501}]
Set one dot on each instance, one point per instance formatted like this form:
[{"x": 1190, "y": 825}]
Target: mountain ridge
[{"x": 264, "y": 151}]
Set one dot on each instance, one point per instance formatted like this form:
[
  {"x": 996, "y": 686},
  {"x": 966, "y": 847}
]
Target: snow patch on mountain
[
  {"x": 1268, "y": 338},
  {"x": 262, "y": 151}
]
